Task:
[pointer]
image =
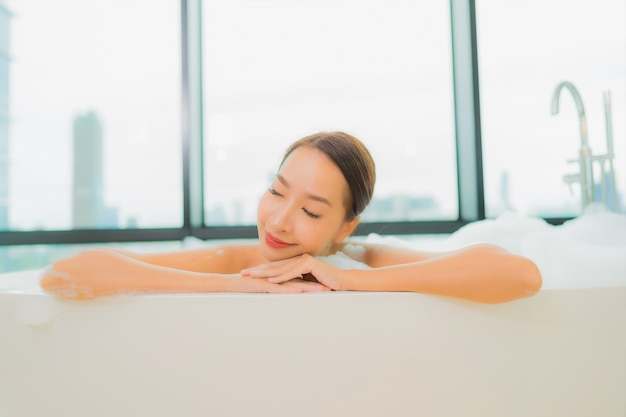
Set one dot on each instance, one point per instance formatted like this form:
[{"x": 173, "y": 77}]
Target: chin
[{"x": 273, "y": 254}]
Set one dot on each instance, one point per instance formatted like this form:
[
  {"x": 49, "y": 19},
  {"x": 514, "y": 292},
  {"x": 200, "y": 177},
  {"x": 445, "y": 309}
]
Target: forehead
[{"x": 310, "y": 169}]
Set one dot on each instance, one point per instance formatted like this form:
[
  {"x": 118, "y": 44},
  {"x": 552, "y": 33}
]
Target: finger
[
  {"x": 296, "y": 270},
  {"x": 267, "y": 287},
  {"x": 255, "y": 273},
  {"x": 260, "y": 271},
  {"x": 52, "y": 283},
  {"x": 306, "y": 286},
  {"x": 281, "y": 279},
  {"x": 270, "y": 269},
  {"x": 282, "y": 289},
  {"x": 65, "y": 289},
  {"x": 274, "y": 274},
  {"x": 288, "y": 272}
]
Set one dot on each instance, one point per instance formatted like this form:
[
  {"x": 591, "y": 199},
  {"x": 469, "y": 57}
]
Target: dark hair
[{"x": 353, "y": 160}]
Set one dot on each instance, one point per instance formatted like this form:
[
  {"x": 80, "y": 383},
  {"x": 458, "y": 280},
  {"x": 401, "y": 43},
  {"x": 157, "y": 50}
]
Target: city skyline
[{"x": 89, "y": 210}]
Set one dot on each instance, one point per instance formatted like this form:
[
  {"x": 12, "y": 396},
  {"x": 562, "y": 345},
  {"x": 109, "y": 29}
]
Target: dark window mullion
[
  {"x": 193, "y": 194},
  {"x": 467, "y": 111}
]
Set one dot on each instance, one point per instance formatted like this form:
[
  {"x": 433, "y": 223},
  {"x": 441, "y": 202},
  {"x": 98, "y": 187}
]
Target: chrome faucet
[
  {"x": 608, "y": 157},
  {"x": 585, "y": 176},
  {"x": 585, "y": 158}
]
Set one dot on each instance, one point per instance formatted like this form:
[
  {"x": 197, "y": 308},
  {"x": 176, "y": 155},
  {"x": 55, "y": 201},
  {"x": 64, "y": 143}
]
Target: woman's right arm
[
  {"x": 105, "y": 272},
  {"x": 224, "y": 259}
]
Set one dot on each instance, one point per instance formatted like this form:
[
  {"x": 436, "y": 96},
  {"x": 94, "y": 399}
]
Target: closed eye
[
  {"x": 274, "y": 192},
  {"x": 311, "y": 215}
]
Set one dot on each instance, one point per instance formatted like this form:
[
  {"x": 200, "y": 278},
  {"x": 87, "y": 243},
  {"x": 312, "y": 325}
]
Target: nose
[{"x": 282, "y": 217}]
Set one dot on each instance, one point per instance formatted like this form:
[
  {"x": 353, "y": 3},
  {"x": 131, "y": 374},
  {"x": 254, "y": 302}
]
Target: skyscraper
[
  {"x": 88, "y": 208},
  {"x": 5, "y": 16}
]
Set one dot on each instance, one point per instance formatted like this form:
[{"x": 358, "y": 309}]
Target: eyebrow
[{"x": 309, "y": 195}]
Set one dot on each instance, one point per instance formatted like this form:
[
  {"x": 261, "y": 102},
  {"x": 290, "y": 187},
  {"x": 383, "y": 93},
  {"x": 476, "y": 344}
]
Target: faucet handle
[
  {"x": 602, "y": 158},
  {"x": 570, "y": 179}
]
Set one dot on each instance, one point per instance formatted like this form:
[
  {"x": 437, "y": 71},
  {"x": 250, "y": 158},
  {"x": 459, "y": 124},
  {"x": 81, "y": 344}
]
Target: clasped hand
[{"x": 290, "y": 271}]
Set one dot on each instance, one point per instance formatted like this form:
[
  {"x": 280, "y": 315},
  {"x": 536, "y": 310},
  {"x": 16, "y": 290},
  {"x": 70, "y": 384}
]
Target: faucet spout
[
  {"x": 579, "y": 107},
  {"x": 585, "y": 158}
]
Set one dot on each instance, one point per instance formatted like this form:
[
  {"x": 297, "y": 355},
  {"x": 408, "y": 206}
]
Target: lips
[{"x": 275, "y": 242}]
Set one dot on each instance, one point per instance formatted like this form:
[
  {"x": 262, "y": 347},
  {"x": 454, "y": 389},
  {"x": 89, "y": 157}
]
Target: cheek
[
  {"x": 262, "y": 208},
  {"x": 317, "y": 235}
]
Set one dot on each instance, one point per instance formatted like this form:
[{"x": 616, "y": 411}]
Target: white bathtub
[{"x": 561, "y": 353}]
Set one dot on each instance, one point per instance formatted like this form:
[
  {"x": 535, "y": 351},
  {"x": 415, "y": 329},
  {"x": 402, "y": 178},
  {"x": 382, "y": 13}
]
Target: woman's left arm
[{"x": 483, "y": 273}]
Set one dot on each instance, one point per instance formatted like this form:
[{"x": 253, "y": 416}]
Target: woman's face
[{"x": 303, "y": 211}]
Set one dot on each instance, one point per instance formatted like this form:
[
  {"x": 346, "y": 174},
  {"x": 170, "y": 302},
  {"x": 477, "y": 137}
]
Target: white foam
[
  {"x": 507, "y": 231},
  {"x": 342, "y": 261},
  {"x": 597, "y": 226},
  {"x": 588, "y": 251},
  {"x": 51, "y": 271}
]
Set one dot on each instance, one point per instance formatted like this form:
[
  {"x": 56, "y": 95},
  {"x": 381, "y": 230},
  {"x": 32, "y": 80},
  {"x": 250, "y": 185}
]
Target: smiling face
[{"x": 304, "y": 210}]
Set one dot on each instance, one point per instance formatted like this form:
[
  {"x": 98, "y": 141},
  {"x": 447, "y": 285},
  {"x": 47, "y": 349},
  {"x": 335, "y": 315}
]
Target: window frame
[{"x": 467, "y": 138}]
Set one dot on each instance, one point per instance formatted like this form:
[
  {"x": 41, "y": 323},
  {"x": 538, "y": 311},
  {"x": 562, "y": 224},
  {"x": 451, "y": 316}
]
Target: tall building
[
  {"x": 88, "y": 208},
  {"x": 5, "y": 16}
]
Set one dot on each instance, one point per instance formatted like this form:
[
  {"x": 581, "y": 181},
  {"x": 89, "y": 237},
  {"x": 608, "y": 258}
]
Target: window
[
  {"x": 526, "y": 48},
  {"x": 91, "y": 93},
  {"x": 94, "y": 146},
  {"x": 275, "y": 71}
]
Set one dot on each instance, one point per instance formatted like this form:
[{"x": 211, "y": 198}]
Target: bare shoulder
[
  {"x": 238, "y": 256},
  {"x": 223, "y": 258},
  {"x": 379, "y": 255}
]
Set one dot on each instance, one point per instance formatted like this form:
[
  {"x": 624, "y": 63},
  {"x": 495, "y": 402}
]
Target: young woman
[{"x": 323, "y": 184}]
